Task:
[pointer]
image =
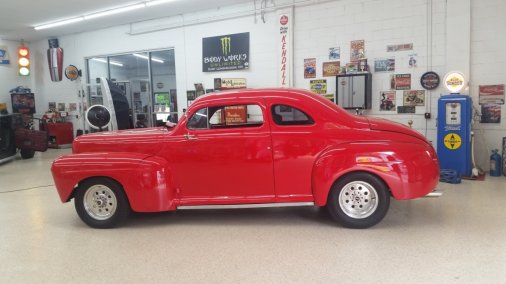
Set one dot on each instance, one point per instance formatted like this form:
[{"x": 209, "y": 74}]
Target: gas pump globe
[{"x": 454, "y": 127}]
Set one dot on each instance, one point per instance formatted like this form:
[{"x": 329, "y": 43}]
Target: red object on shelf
[{"x": 60, "y": 134}]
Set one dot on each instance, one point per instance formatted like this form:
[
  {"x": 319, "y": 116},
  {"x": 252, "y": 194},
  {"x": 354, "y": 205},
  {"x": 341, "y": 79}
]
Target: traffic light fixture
[{"x": 23, "y": 61}]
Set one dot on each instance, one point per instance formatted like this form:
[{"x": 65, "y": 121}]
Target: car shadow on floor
[{"x": 237, "y": 217}]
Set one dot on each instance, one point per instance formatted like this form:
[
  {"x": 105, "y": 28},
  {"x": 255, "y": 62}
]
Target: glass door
[
  {"x": 163, "y": 74},
  {"x": 134, "y": 76}
]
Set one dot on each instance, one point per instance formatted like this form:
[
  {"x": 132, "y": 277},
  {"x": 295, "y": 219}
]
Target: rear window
[{"x": 288, "y": 115}]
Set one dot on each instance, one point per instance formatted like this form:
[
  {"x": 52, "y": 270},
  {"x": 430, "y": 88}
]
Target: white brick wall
[
  {"x": 488, "y": 67},
  {"x": 317, "y": 27}
]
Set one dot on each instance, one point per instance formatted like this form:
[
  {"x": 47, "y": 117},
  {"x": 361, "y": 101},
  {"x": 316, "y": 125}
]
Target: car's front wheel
[
  {"x": 358, "y": 200},
  {"x": 101, "y": 203}
]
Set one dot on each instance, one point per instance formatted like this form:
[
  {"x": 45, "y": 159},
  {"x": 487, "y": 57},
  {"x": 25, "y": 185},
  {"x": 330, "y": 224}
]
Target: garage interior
[{"x": 457, "y": 237}]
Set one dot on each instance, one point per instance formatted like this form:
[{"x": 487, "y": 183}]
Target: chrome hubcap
[
  {"x": 358, "y": 199},
  {"x": 100, "y": 202}
]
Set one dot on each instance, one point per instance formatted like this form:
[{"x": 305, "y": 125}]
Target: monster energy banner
[{"x": 227, "y": 52}]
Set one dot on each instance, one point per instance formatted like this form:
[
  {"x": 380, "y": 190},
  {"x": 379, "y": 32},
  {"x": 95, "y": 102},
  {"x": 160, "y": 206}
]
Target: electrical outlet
[{"x": 427, "y": 115}]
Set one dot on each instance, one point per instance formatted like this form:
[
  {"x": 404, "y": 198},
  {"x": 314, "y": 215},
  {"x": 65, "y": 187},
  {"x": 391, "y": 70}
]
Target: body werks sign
[
  {"x": 227, "y": 52},
  {"x": 285, "y": 32}
]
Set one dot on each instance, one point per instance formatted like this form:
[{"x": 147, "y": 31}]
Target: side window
[
  {"x": 230, "y": 116},
  {"x": 198, "y": 120},
  {"x": 288, "y": 115},
  {"x": 235, "y": 116}
]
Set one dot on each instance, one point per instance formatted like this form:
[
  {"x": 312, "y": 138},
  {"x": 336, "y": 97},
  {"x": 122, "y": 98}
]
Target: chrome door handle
[{"x": 190, "y": 137}]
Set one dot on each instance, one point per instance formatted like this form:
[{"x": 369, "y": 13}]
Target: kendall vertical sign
[
  {"x": 227, "y": 52},
  {"x": 285, "y": 31}
]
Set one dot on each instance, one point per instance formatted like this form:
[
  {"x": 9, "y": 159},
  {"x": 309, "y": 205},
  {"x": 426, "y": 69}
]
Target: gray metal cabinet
[{"x": 354, "y": 91}]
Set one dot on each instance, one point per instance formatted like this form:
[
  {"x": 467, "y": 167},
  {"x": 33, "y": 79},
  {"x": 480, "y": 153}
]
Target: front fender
[
  {"x": 145, "y": 179},
  {"x": 409, "y": 171}
]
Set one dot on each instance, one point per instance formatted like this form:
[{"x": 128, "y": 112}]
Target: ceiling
[{"x": 17, "y": 18}]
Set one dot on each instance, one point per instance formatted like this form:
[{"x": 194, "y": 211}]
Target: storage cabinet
[{"x": 354, "y": 91}]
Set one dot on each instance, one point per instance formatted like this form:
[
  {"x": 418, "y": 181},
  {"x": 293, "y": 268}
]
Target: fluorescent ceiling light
[
  {"x": 59, "y": 23},
  {"x": 147, "y": 58},
  {"x": 110, "y": 62},
  {"x": 157, "y": 2},
  {"x": 114, "y": 11}
]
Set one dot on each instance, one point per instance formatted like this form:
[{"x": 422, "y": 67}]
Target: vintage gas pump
[{"x": 454, "y": 127}]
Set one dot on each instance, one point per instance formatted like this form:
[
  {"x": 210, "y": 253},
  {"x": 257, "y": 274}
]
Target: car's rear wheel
[
  {"x": 358, "y": 200},
  {"x": 101, "y": 203}
]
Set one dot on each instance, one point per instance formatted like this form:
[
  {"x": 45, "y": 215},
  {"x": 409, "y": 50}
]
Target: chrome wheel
[
  {"x": 358, "y": 199},
  {"x": 100, "y": 202}
]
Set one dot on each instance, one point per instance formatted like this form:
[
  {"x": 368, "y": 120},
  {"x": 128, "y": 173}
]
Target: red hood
[
  {"x": 141, "y": 140},
  {"x": 387, "y": 125}
]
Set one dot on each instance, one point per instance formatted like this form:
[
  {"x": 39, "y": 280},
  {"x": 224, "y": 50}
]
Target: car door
[
  {"x": 296, "y": 143},
  {"x": 226, "y": 156}
]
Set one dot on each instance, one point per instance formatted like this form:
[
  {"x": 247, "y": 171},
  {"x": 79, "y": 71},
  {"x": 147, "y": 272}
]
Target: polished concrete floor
[{"x": 457, "y": 238}]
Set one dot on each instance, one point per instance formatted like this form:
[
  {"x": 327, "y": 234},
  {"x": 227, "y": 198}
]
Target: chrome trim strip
[{"x": 239, "y": 206}]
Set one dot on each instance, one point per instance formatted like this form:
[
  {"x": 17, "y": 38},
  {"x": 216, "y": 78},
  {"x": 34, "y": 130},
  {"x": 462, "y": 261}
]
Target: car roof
[{"x": 258, "y": 92}]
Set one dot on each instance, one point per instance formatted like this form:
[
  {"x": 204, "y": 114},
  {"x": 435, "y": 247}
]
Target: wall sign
[
  {"x": 224, "y": 53},
  {"x": 232, "y": 83},
  {"x": 285, "y": 48},
  {"x": 430, "y": 80}
]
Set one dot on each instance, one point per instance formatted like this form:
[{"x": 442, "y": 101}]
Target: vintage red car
[{"x": 250, "y": 148}]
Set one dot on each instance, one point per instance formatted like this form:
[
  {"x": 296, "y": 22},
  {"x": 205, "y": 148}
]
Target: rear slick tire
[{"x": 359, "y": 200}]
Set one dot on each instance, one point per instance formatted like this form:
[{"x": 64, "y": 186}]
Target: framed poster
[
  {"x": 491, "y": 94},
  {"x": 414, "y": 98},
  {"x": 309, "y": 68},
  {"x": 403, "y": 81},
  {"x": 318, "y": 86},
  {"x": 331, "y": 69},
  {"x": 225, "y": 53},
  {"x": 334, "y": 53},
  {"x": 490, "y": 113},
  {"x": 357, "y": 50},
  {"x": 384, "y": 64},
  {"x": 387, "y": 101}
]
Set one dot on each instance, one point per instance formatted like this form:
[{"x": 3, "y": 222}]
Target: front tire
[
  {"x": 359, "y": 200},
  {"x": 101, "y": 203}
]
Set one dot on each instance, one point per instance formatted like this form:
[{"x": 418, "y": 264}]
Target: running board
[{"x": 241, "y": 206}]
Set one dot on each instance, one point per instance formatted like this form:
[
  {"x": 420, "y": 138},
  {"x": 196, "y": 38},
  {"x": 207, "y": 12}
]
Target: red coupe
[{"x": 250, "y": 148}]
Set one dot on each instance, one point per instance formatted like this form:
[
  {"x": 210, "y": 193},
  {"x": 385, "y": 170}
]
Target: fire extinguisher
[{"x": 495, "y": 164}]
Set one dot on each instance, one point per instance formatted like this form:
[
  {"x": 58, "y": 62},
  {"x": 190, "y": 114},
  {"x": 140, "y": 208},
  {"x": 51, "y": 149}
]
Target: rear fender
[
  {"x": 145, "y": 180},
  {"x": 409, "y": 172}
]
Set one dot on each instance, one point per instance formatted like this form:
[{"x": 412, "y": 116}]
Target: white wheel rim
[
  {"x": 100, "y": 202},
  {"x": 358, "y": 199}
]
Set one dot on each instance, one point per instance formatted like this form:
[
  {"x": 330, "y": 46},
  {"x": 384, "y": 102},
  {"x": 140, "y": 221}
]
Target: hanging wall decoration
[
  {"x": 430, "y": 80},
  {"x": 387, "y": 101},
  {"x": 414, "y": 98},
  {"x": 334, "y": 53},
  {"x": 384, "y": 64},
  {"x": 309, "y": 68},
  {"x": 357, "y": 50},
  {"x": 331, "y": 69},
  {"x": 403, "y": 81},
  {"x": 55, "y": 60},
  {"x": 491, "y": 94}
]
